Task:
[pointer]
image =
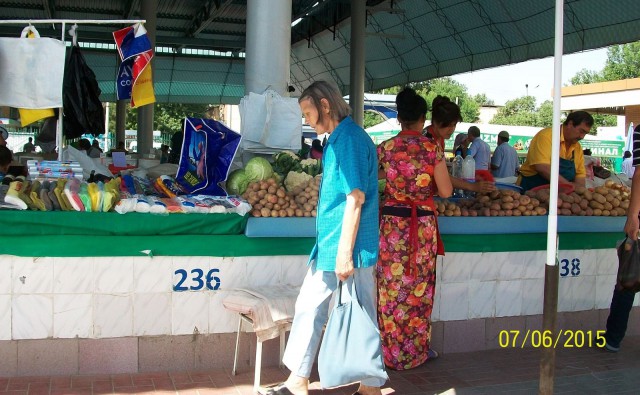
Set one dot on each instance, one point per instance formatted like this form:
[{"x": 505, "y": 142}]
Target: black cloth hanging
[{"x": 83, "y": 113}]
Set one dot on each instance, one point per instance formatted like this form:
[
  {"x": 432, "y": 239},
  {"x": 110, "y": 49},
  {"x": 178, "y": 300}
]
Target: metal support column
[
  {"x": 148, "y": 10},
  {"x": 268, "y": 55},
  {"x": 268, "y": 61},
  {"x": 550, "y": 312},
  {"x": 356, "y": 80},
  {"x": 121, "y": 117}
]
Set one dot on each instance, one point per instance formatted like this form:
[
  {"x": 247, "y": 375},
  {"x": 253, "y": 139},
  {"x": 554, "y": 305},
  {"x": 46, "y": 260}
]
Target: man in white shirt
[
  {"x": 504, "y": 162},
  {"x": 479, "y": 149},
  {"x": 627, "y": 164}
]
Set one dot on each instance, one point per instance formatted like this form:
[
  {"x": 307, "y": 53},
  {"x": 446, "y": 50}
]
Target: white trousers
[{"x": 312, "y": 313}]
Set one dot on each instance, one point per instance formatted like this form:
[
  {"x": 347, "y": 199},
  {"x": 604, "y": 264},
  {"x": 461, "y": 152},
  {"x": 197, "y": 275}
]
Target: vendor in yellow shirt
[{"x": 536, "y": 169}]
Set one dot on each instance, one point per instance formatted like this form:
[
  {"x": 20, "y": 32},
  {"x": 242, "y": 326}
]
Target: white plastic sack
[
  {"x": 284, "y": 123},
  {"x": 87, "y": 163},
  {"x": 270, "y": 121},
  {"x": 253, "y": 113},
  {"x": 32, "y": 72}
]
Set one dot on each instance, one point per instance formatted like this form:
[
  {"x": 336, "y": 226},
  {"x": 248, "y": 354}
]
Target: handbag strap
[{"x": 354, "y": 293}]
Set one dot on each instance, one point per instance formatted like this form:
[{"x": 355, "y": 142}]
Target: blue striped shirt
[{"x": 349, "y": 162}]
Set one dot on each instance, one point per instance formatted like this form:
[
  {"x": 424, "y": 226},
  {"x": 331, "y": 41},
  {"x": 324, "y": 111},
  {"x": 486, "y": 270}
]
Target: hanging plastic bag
[
  {"x": 284, "y": 123},
  {"x": 270, "y": 121},
  {"x": 207, "y": 151},
  {"x": 253, "y": 112},
  {"x": 629, "y": 265},
  {"x": 27, "y": 116},
  {"x": 32, "y": 71},
  {"x": 83, "y": 113}
]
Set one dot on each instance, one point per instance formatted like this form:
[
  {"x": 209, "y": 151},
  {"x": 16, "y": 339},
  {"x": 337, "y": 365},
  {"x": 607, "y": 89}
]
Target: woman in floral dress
[{"x": 414, "y": 169}]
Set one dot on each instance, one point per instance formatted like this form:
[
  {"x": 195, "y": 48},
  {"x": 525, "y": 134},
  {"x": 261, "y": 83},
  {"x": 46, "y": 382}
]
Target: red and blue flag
[{"x": 134, "y": 74}]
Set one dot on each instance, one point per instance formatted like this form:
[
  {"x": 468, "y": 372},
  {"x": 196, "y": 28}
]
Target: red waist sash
[{"x": 412, "y": 270}]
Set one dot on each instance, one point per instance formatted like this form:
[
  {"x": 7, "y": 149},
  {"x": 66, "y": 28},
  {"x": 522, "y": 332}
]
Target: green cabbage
[
  {"x": 237, "y": 182},
  {"x": 257, "y": 169}
]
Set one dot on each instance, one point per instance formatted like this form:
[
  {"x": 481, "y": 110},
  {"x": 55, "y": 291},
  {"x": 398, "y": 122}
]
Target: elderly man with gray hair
[
  {"x": 504, "y": 162},
  {"x": 479, "y": 149}
]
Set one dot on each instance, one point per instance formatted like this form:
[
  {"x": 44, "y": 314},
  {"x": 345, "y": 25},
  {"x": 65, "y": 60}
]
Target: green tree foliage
[
  {"x": 167, "y": 117},
  {"x": 394, "y": 90},
  {"x": 521, "y": 111},
  {"x": 623, "y": 61},
  {"x": 602, "y": 120},
  {"x": 372, "y": 118},
  {"x": 455, "y": 91},
  {"x": 469, "y": 106},
  {"x": 545, "y": 114},
  {"x": 585, "y": 76},
  {"x": 482, "y": 100}
]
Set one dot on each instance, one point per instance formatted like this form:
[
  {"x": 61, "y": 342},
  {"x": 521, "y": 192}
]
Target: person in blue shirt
[
  {"x": 479, "y": 149},
  {"x": 504, "y": 162},
  {"x": 347, "y": 232}
]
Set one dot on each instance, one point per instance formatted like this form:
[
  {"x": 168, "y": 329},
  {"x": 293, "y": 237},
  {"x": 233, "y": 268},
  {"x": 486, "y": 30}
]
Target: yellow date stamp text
[{"x": 566, "y": 338}]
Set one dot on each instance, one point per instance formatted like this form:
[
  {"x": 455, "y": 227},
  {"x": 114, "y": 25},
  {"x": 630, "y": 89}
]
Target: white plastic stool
[{"x": 258, "y": 363}]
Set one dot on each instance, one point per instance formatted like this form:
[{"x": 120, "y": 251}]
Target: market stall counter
[{"x": 118, "y": 293}]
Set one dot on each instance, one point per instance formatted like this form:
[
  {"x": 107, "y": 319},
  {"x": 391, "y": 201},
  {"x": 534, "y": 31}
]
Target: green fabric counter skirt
[{"x": 77, "y": 234}]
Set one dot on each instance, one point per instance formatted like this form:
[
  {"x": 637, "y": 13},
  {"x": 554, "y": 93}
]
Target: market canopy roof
[{"x": 200, "y": 44}]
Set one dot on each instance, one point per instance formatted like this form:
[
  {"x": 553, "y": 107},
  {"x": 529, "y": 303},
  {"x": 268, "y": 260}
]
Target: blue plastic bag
[
  {"x": 207, "y": 151},
  {"x": 350, "y": 351}
]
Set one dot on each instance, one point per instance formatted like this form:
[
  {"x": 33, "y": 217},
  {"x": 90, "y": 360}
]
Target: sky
[{"x": 504, "y": 83}]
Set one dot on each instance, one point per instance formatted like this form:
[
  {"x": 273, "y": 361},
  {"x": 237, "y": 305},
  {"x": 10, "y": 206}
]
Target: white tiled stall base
[
  {"x": 507, "y": 284},
  {"x": 114, "y": 297},
  {"x": 111, "y": 297}
]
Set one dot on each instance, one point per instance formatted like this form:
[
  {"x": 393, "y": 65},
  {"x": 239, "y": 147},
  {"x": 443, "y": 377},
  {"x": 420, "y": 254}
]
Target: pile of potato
[
  {"x": 269, "y": 199},
  {"x": 610, "y": 199},
  {"x": 306, "y": 196},
  {"x": 499, "y": 203}
]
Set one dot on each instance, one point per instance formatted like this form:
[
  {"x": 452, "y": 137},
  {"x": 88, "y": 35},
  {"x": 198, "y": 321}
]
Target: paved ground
[{"x": 505, "y": 371}]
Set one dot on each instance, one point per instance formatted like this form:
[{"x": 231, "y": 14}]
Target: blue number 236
[{"x": 211, "y": 281}]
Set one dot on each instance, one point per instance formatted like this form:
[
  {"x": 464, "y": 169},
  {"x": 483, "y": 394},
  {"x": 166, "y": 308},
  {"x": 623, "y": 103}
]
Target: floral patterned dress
[{"x": 407, "y": 259}]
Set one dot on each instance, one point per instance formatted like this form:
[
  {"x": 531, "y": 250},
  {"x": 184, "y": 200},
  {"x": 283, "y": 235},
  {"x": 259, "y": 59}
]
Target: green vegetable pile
[
  {"x": 287, "y": 169},
  {"x": 256, "y": 169},
  {"x": 285, "y": 161}
]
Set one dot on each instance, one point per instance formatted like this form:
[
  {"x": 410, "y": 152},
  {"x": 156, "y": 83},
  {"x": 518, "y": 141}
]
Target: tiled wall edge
[{"x": 155, "y": 353}]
